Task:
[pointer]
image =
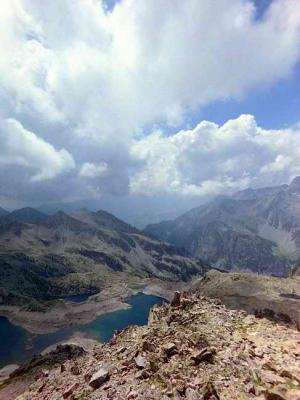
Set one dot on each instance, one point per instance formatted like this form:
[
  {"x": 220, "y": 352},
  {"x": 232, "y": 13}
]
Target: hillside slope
[
  {"x": 193, "y": 349},
  {"x": 103, "y": 219},
  {"x": 272, "y": 297},
  {"x": 62, "y": 255},
  {"x": 256, "y": 230}
]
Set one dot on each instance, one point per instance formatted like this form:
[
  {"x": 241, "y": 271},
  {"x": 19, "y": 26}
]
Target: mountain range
[
  {"x": 255, "y": 229},
  {"x": 44, "y": 257}
]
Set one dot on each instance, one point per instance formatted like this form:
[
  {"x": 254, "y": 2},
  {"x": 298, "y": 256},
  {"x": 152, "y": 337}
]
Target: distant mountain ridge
[
  {"x": 44, "y": 257},
  {"x": 255, "y": 229},
  {"x": 26, "y": 215},
  {"x": 3, "y": 212},
  {"x": 103, "y": 219}
]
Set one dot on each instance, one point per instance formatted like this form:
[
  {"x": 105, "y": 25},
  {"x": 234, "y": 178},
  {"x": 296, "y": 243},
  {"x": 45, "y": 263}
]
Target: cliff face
[{"x": 193, "y": 349}]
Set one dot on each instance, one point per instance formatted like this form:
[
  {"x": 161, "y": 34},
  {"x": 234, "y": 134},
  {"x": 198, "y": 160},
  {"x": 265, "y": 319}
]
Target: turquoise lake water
[{"x": 17, "y": 345}]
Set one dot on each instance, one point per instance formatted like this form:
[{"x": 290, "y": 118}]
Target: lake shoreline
[
  {"x": 14, "y": 347},
  {"x": 68, "y": 314}
]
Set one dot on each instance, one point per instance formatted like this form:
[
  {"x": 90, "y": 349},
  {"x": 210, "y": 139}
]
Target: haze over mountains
[
  {"x": 255, "y": 229},
  {"x": 137, "y": 210}
]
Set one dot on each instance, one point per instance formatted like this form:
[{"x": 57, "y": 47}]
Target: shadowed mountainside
[
  {"x": 26, "y": 215},
  {"x": 60, "y": 255},
  {"x": 255, "y": 229}
]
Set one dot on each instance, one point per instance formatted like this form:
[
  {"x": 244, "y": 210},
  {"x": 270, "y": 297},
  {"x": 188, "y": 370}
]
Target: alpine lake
[{"x": 18, "y": 345}]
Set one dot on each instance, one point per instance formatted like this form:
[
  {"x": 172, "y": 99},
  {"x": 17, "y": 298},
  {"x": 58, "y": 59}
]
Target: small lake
[{"x": 18, "y": 345}]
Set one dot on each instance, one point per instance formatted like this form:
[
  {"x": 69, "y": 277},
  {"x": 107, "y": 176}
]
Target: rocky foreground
[{"x": 193, "y": 348}]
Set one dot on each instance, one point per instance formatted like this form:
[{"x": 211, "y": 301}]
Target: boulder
[
  {"x": 99, "y": 378},
  {"x": 169, "y": 349},
  {"x": 140, "y": 362},
  {"x": 204, "y": 355},
  {"x": 148, "y": 346},
  {"x": 176, "y": 300}
]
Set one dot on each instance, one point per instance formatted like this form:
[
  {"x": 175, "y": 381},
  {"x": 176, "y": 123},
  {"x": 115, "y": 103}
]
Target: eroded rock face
[{"x": 198, "y": 350}]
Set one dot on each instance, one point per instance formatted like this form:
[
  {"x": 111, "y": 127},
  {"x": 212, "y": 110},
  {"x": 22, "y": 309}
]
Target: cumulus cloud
[
  {"x": 212, "y": 159},
  {"x": 113, "y": 72},
  {"x": 90, "y": 170},
  {"x": 20, "y": 147},
  {"x": 90, "y": 82}
]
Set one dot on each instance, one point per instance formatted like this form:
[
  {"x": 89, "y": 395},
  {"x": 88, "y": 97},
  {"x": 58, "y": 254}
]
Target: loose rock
[
  {"x": 140, "y": 362},
  {"x": 99, "y": 378},
  {"x": 70, "y": 390},
  {"x": 198, "y": 350},
  {"x": 169, "y": 349}
]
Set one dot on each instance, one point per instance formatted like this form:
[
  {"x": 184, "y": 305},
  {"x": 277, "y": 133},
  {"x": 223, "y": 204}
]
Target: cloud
[
  {"x": 90, "y": 170},
  {"x": 24, "y": 66},
  {"x": 212, "y": 159},
  {"x": 114, "y": 72},
  {"x": 90, "y": 82},
  {"x": 20, "y": 147}
]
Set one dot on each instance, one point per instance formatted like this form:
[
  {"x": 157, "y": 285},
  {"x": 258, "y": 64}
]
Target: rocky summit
[{"x": 193, "y": 348}]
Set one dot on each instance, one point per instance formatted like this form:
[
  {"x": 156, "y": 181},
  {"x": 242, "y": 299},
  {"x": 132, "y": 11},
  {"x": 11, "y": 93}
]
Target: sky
[{"x": 149, "y": 106}]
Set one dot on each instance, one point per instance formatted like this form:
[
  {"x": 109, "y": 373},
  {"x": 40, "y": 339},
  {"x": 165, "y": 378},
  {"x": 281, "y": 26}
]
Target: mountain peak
[
  {"x": 110, "y": 221},
  {"x": 295, "y": 184},
  {"x": 27, "y": 215},
  {"x": 250, "y": 223},
  {"x": 102, "y": 219},
  {"x": 60, "y": 218}
]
